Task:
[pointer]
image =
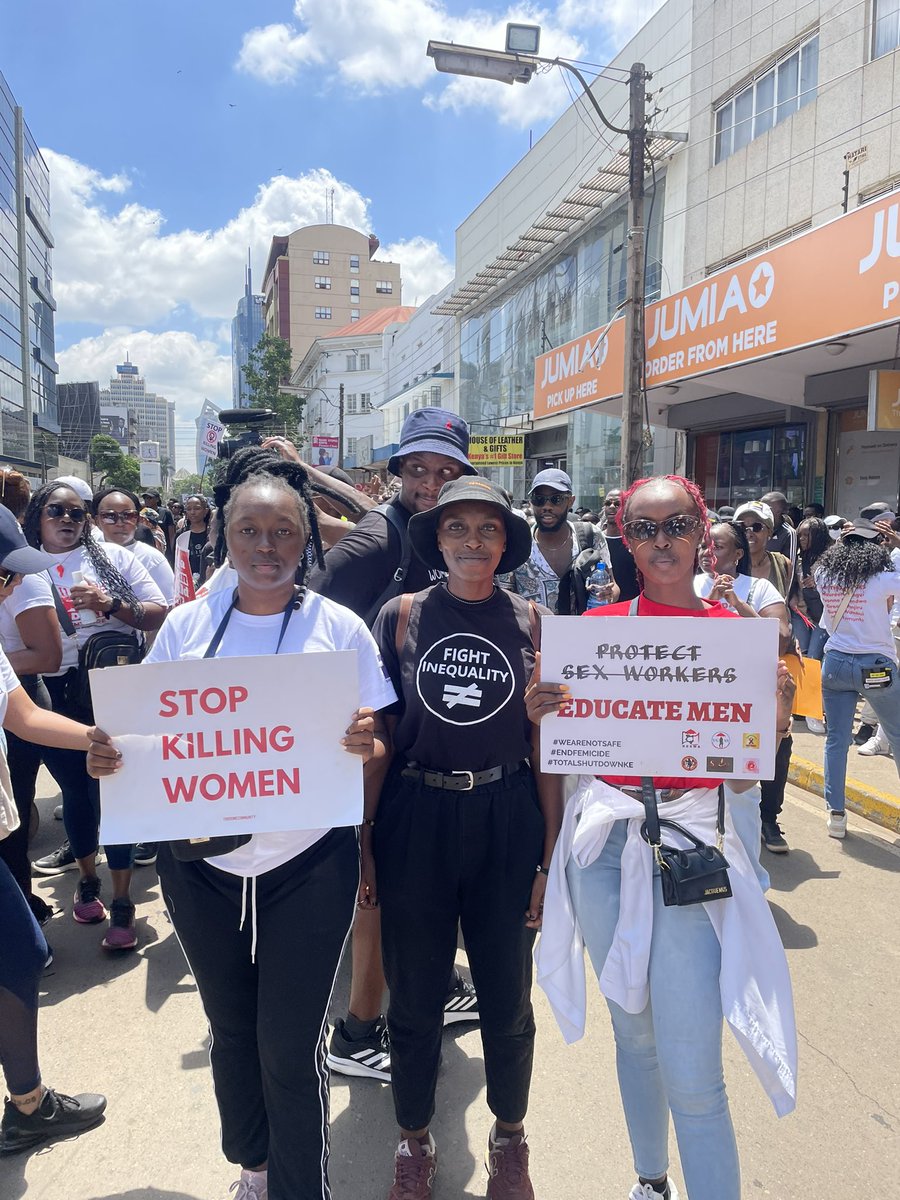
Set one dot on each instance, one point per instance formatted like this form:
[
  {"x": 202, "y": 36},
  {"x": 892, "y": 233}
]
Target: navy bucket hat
[{"x": 433, "y": 431}]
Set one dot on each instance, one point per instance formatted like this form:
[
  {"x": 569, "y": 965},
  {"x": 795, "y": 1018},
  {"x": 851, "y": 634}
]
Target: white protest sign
[
  {"x": 211, "y": 433},
  {"x": 661, "y": 696},
  {"x": 229, "y": 745}
]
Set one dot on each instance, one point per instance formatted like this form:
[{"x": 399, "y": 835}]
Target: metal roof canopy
[{"x": 554, "y": 225}]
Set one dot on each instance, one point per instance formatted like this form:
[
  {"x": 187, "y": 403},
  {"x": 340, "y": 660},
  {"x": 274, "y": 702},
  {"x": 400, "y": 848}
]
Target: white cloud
[
  {"x": 425, "y": 268},
  {"x": 175, "y": 364},
  {"x": 119, "y": 265},
  {"x": 390, "y": 53}
]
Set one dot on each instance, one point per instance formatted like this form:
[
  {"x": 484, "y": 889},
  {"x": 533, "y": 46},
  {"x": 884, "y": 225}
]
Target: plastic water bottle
[
  {"x": 599, "y": 578},
  {"x": 86, "y": 616}
]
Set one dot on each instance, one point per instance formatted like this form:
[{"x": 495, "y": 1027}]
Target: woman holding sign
[
  {"x": 263, "y": 924},
  {"x": 667, "y": 984},
  {"x": 466, "y": 825}
]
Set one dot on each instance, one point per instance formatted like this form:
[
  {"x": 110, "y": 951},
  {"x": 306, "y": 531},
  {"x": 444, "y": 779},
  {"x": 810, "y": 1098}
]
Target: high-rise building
[
  {"x": 319, "y": 279},
  {"x": 131, "y": 414},
  {"x": 79, "y": 417},
  {"x": 247, "y": 327},
  {"x": 29, "y": 425}
]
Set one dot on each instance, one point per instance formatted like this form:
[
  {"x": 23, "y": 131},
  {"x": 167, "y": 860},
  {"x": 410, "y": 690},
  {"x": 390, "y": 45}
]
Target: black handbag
[
  {"x": 191, "y": 849},
  {"x": 108, "y": 648},
  {"x": 691, "y": 875}
]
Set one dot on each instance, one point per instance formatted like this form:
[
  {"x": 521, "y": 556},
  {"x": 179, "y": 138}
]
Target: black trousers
[
  {"x": 267, "y": 1018},
  {"x": 447, "y": 859},
  {"x": 772, "y": 790},
  {"x": 24, "y": 760}
]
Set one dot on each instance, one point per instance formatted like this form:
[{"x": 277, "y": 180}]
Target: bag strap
[
  {"x": 633, "y": 607},
  {"x": 534, "y": 625},
  {"x": 65, "y": 621},
  {"x": 406, "y": 603},
  {"x": 841, "y": 609},
  {"x": 395, "y": 583},
  {"x": 651, "y": 820}
]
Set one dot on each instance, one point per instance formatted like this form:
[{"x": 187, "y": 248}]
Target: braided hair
[
  {"x": 695, "y": 495},
  {"x": 819, "y": 542},
  {"x": 852, "y": 562},
  {"x": 252, "y": 463},
  {"x": 739, "y": 533},
  {"x": 113, "y": 581}
]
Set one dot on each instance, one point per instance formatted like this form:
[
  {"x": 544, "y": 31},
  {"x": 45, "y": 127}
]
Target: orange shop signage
[{"x": 840, "y": 278}]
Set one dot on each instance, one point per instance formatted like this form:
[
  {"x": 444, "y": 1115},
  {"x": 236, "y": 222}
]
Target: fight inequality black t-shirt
[
  {"x": 461, "y": 679},
  {"x": 362, "y": 564}
]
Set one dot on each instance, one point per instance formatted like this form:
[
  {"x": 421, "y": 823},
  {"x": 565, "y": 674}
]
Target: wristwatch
[{"x": 114, "y": 607}]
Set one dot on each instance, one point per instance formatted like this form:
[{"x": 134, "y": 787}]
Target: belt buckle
[{"x": 469, "y": 776}]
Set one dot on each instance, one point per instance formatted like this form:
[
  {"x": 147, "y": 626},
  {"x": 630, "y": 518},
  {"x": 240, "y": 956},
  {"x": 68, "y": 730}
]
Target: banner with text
[
  {"x": 659, "y": 696},
  {"x": 837, "y": 279},
  {"x": 211, "y": 433},
  {"x": 499, "y": 450},
  {"x": 229, "y": 745}
]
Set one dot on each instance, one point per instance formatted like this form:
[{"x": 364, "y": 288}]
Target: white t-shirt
[
  {"x": 895, "y": 611},
  {"x": 320, "y": 625},
  {"x": 134, "y": 573},
  {"x": 9, "y": 681},
  {"x": 33, "y": 592},
  {"x": 761, "y": 593},
  {"x": 157, "y": 567},
  {"x": 865, "y": 627}
]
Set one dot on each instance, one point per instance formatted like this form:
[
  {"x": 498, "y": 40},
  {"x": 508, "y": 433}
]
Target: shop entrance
[{"x": 741, "y": 465}]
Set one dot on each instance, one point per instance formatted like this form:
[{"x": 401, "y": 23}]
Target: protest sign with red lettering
[
  {"x": 184, "y": 580},
  {"x": 229, "y": 745},
  {"x": 661, "y": 696}
]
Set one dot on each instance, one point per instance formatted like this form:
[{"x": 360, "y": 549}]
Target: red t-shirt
[{"x": 649, "y": 608}]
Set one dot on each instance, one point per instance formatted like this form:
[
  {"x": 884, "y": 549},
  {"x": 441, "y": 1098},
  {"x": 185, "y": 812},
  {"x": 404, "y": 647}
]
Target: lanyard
[{"x": 295, "y": 601}]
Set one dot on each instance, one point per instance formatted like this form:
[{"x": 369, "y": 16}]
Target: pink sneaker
[
  {"x": 88, "y": 907},
  {"x": 120, "y": 935},
  {"x": 414, "y": 1166}
]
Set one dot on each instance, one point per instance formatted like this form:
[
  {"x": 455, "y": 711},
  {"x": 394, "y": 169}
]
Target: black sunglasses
[
  {"x": 7, "y": 577},
  {"x": 642, "y": 530},
  {"x": 555, "y": 498},
  {"x": 756, "y": 526},
  {"x": 612, "y": 503},
  {"x": 113, "y": 518},
  {"x": 57, "y": 511}
]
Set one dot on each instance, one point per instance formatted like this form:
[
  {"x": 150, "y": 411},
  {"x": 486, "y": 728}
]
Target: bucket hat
[
  {"x": 422, "y": 528},
  {"x": 433, "y": 431}
]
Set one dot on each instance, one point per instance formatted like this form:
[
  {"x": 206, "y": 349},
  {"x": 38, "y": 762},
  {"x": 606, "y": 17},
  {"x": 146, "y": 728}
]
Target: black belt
[{"x": 459, "y": 781}]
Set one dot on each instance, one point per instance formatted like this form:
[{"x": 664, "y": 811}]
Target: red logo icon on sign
[{"x": 689, "y": 764}]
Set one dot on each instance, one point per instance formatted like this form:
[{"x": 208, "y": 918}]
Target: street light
[{"x": 517, "y": 64}]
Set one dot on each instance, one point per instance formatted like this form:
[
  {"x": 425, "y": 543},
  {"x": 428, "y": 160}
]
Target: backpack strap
[
  {"x": 406, "y": 603},
  {"x": 633, "y": 607},
  {"x": 395, "y": 583},
  {"x": 841, "y": 609}
]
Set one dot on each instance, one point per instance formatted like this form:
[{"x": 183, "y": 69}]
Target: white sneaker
[
  {"x": 644, "y": 1191},
  {"x": 815, "y": 726},
  {"x": 837, "y": 824},
  {"x": 252, "y": 1185},
  {"x": 877, "y": 744}
]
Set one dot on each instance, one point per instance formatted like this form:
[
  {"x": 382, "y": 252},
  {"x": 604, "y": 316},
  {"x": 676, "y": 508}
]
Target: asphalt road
[{"x": 132, "y": 1027}]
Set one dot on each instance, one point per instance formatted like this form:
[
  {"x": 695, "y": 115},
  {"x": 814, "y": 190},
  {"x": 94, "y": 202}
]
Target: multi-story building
[
  {"x": 319, "y": 279},
  {"x": 131, "y": 414},
  {"x": 346, "y": 370},
  {"x": 29, "y": 426},
  {"x": 79, "y": 417},
  {"x": 247, "y": 327},
  {"x": 772, "y": 285}
]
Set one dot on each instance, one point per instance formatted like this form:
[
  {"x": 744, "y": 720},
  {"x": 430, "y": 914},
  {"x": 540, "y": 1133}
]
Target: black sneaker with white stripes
[
  {"x": 367, "y": 1057},
  {"x": 461, "y": 1003}
]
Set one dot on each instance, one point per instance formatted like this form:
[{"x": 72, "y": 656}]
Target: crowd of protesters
[{"x": 461, "y": 830}]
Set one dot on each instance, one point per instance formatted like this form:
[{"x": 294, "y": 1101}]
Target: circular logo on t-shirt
[{"x": 464, "y": 679}]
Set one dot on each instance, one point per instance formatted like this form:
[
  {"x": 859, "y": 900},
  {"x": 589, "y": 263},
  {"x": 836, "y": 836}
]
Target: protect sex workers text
[
  {"x": 666, "y": 696},
  {"x": 229, "y": 745}
]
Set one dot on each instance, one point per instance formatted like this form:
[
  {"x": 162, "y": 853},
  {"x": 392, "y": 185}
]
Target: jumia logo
[{"x": 884, "y": 241}]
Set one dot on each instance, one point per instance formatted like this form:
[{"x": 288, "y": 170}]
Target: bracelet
[
  {"x": 539, "y": 870},
  {"x": 370, "y": 821},
  {"x": 783, "y": 733}
]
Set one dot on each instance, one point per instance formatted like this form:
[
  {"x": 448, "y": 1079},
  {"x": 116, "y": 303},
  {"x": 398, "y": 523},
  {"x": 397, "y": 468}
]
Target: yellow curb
[{"x": 868, "y": 802}]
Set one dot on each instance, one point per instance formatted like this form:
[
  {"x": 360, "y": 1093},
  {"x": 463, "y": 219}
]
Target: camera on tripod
[{"x": 246, "y": 421}]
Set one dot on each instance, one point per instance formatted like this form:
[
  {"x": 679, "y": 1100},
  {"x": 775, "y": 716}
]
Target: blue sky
[{"x": 179, "y": 133}]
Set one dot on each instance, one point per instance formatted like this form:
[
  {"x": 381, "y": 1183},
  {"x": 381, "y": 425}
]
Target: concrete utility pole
[{"x": 633, "y": 393}]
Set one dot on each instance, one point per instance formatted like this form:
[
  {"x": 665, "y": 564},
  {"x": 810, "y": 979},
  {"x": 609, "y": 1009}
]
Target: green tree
[
  {"x": 105, "y": 453},
  {"x": 126, "y": 474},
  {"x": 267, "y": 370}
]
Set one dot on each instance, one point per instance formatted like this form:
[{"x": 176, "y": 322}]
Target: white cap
[{"x": 78, "y": 486}]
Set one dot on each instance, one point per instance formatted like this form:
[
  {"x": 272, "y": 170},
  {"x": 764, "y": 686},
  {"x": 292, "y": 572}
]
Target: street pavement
[{"x": 132, "y": 1027}]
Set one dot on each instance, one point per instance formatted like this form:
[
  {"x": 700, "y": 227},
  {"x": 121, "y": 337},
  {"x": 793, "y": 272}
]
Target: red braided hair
[{"x": 695, "y": 495}]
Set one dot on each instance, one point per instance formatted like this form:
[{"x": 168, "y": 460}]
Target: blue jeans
[
  {"x": 669, "y": 1057},
  {"x": 842, "y": 684}
]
